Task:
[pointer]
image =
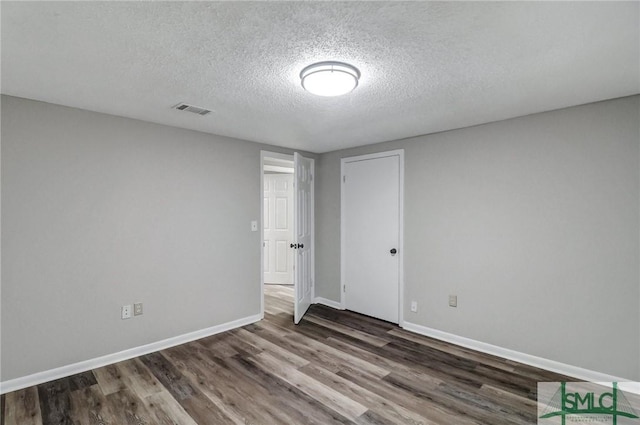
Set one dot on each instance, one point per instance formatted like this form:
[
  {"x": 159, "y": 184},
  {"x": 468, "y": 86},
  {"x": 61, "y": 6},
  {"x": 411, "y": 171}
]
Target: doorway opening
[
  {"x": 287, "y": 228},
  {"x": 278, "y": 233}
]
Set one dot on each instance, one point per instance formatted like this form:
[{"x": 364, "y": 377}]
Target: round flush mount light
[{"x": 330, "y": 78}]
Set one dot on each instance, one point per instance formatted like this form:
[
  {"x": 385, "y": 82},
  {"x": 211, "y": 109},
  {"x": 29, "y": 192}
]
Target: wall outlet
[
  {"x": 414, "y": 306},
  {"x": 137, "y": 309},
  {"x": 126, "y": 311},
  {"x": 453, "y": 301}
]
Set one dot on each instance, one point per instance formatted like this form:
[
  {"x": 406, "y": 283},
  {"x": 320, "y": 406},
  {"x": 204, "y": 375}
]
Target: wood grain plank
[
  {"x": 373, "y": 357},
  {"x": 239, "y": 399},
  {"x": 452, "y": 349},
  {"x": 333, "y": 358},
  {"x": 443, "y": 368},
  {"x": 55, "y": 402},
  {"x": 517, "y": 404},
  {"x": 128, "y": 409},
  {"x": 90, "y": 406},
  {"x": 369, "y": 339},
  {"x": 22, "y": 407},
  {"x": 274, "y": 349},
  {"x": 380, "y": 406},
  {"x": 81, "y": 380},
  {"x": 138, "y": 378},
  {"x": 373, "y": 418},
  {"x": 165, "y": 410},
  {"x": 198, "y": 406},
  {"x": 479, "y": 405},
  {"x": 168, "y": 375},
  {"x": 276, "y": 305},
  {"x": 321, "y": 392},
  {"x": 461, "y": 403},
  {"x": 219, "y": 345},
  {"x": 353, "y": 320},
  {"x": 434, "y": 413},
  {"x": 287, "y": 398},
  {"x": 110, "y": 379}
]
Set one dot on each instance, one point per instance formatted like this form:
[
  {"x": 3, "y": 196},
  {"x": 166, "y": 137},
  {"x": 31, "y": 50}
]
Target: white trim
[
  {"x": 263, "y": 155},
  {"x": 278, "y": 169},
  {"x": 343, "y": 161},
  {"x": 328, "y": 303},
  {"x": 505, "y": 353},
  {"x": 375, "y": 155},
  {"x": 313, "y": 228},
  {"x": 401, "y": 240},
  {"x": 83, "y": 366},
  {"x": 343, "y": 242}
]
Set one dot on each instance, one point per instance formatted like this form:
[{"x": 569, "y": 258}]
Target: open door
[{"x": 303, "y": 232}]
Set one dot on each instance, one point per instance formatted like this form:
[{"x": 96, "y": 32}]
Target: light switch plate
[
  {"x": 137, "y": 309},
  {"x": 254, "y": 225},
  {"x": 453, "y": 301}
]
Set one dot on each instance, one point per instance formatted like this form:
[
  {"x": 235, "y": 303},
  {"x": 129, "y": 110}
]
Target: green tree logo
[{"x": 610, "y": 403}]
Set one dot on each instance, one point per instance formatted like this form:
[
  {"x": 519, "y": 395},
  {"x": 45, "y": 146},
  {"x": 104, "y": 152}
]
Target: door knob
[
  {"x": 393, "y": 251},
  {"x": 300, "y": 245}
]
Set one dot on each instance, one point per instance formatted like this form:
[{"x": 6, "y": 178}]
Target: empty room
[{"x": 320, "y": 213}]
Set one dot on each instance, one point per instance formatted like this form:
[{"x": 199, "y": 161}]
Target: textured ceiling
[{"x": 426, "y": 66}]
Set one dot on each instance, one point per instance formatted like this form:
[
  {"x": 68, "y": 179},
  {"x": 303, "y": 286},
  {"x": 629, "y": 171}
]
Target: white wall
[
  {"x": 100, "y": 211},
  {"x": 533, "y": 222}
]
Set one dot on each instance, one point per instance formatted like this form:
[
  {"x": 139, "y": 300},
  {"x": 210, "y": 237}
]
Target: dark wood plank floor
[{"x": 335, "y": 367}]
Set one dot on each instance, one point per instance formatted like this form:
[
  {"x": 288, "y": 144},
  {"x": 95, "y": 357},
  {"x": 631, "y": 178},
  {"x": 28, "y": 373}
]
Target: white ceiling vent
[{"x": 190, "y": 108}]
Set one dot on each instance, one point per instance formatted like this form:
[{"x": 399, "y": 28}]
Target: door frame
[
  {"x": 289, "y": 157},
  {"x": 343, "y": 161}
]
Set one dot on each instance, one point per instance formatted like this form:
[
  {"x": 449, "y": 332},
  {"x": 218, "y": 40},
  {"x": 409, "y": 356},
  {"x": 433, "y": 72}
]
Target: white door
[
  {"x": 278, "y": 228},
  {"x": 303, "y": 243},
  {"x": 371, "y": 220}
]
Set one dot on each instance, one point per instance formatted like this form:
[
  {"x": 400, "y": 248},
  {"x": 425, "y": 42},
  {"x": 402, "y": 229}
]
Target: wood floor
[{"x": 335, "y": 367}]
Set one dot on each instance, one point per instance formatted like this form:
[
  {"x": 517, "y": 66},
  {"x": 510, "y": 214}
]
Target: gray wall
[
  {"x": 533, "y": 222},
  {"x": 100, "y": 211}
]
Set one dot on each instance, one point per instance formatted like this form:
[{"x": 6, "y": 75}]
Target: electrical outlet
[
  {"x": 126, "y": 311},
  {"x": 414, "y": 306},
  {"x": 137, "y": 309},
  {"x": 453, "y": 301}
]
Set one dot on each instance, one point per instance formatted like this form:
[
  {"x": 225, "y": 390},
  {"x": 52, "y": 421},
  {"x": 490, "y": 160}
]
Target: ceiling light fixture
[{"x": 330, "y": 78}]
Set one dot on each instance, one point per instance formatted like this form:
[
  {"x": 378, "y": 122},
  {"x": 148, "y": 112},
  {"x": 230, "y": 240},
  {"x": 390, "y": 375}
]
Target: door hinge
[
  {"x": 344, "y": 179},
  {"x": 311, "y": 177},
  {"x": 344, "y": 288}
]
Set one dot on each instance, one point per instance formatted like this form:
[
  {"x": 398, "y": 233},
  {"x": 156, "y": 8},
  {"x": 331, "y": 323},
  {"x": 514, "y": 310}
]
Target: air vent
[{"x": 190, "y": 108}]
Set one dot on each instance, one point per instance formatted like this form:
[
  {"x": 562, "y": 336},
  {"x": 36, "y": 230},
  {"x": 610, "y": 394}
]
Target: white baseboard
[
  {"x": 539, "y": 362},
  {"x": 83, "y": 366},
  {"x": 328, "y": 303}
]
